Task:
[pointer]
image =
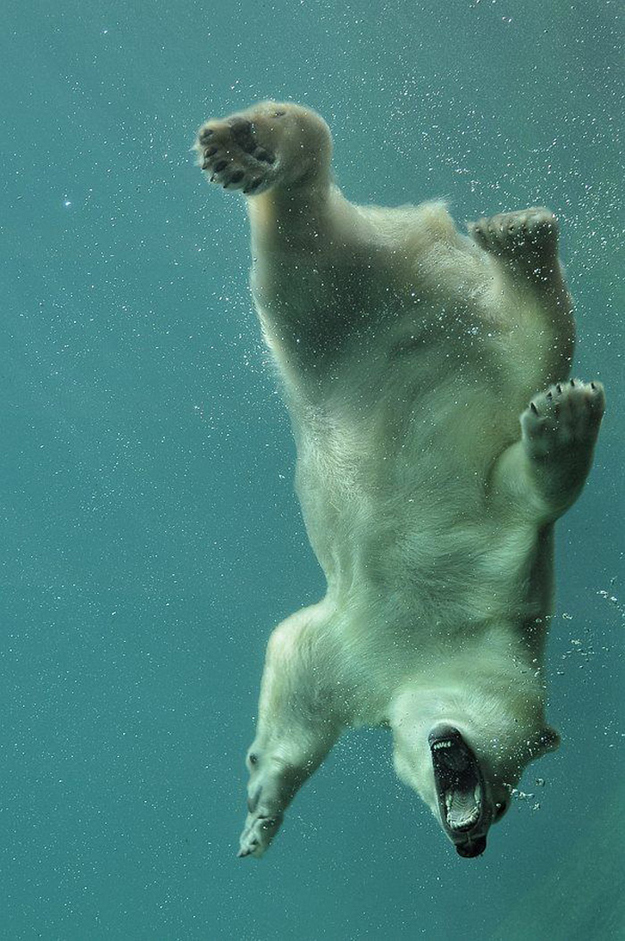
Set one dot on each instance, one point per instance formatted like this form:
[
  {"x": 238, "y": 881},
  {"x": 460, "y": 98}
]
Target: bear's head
[{"x": 464, "y": 753}]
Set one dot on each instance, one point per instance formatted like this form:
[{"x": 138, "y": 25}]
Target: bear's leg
[
  {"x": 527, "y": 241},
  {"x": 296, "y": 727},
  {"x": 308, "y": 241},
  {"x": 524, "y": 248},
  {"x": 274, "y": 782},
  {"x": 548, "y": 467}
]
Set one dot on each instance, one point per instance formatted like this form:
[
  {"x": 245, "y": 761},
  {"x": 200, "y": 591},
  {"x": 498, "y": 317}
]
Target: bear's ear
[{"x": 546, "y": 740}]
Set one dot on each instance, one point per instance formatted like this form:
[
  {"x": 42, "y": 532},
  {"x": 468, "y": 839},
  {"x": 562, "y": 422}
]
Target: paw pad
[
  {"x": 565, "y": 415},
  {"x": 231, "y": 152},
  {"x": 528, "y": 234}
]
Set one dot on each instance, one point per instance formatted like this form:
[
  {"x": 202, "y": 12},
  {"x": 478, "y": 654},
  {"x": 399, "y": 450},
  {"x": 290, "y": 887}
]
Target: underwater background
[{"x": 150, "y": 538}]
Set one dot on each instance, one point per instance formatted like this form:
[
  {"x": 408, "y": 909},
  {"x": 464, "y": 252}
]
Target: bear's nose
[{"x": 471, "y": 848}]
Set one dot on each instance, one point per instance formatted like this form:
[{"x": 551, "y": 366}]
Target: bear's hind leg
[
  {"x": 526, "y": 240},
  {"x": 524, "y": 248}
]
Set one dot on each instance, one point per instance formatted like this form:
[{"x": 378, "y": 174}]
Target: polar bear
[{"x": 429, "y": 486}]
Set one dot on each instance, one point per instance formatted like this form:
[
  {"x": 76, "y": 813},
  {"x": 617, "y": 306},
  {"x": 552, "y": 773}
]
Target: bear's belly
[
  {"x": 399, "y": 470},
  {"x": 396, "y": 500},
  {"x": 443, "y": 554},
  {"x": 395, "y": 456}
]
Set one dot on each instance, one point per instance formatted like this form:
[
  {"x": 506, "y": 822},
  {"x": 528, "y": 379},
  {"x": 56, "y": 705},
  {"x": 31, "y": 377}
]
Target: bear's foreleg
[
  {"x": 297, "y": 726},
  {"x": 548, "y": 467}
]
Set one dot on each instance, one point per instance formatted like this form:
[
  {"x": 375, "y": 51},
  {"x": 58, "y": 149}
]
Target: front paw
[
  {"x": 258, "y": 833},
  {"x": 564, "y": 418}
]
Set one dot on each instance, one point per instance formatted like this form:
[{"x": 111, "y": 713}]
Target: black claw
[
  {"x": 533, "y": 408},
  {"x": 253, "y": 185},
  {"x": 573, "y": 383},
  {"x": 559, "y": 388},
  {"x": 593, "y": 386},
  {"x": 550, "y": 395}
]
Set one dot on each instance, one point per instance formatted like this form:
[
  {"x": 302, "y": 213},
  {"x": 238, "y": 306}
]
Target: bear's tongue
[{"x": 457, "y": 777}]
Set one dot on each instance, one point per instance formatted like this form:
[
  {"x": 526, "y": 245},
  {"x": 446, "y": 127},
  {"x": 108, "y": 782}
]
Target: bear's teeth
[
  {"x": 459, "y": 816},
  {"x": 438, "y": 745}
]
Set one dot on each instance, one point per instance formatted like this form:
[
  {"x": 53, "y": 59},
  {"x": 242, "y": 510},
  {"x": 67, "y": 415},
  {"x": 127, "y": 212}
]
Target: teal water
[{"x": 150, "y": 537}]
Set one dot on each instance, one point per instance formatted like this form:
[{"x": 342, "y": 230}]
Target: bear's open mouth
[{"x": 460, "y": 790}]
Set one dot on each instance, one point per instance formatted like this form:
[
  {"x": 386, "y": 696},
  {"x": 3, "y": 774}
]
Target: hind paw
[
  {"x": 269, "y": 144},
  {"x": 236, "y": 154},
  {"x": 529, "y": 237}
]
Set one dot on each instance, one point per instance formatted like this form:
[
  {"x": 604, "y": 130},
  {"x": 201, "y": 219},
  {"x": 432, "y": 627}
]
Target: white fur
[{"x": 407, "y": 355}]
